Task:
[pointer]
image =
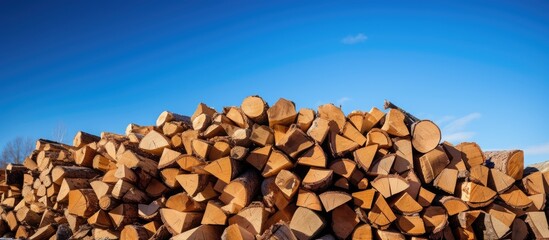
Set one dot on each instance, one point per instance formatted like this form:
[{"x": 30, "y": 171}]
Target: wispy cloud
[
  {"x": 342, "y": 100},
  {"x": 537, "y": 149},
  {"x": 455, "y": 129},
  {"x": 460, "y": 123},
  {"x": 354, "y": 39}
]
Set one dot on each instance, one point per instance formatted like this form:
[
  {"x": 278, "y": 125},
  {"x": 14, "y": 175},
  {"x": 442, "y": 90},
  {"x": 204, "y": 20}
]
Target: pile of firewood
[{"x": 260, "y": 172}]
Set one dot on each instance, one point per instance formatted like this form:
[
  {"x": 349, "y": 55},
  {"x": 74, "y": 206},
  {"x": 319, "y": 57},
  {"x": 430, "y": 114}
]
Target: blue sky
[{"x": 477, "y": 68}]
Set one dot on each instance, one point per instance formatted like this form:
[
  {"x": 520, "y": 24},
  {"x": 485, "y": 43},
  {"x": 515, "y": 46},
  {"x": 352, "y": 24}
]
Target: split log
[
  {"x": 154, "y": 143},
  {"x": 379, "y": 137},
  {"x": 305, "y": 119},
  {"x": 100, "y": 219},
  {"x": 275, "y": 163},
  {"x": 364, "y": 156},
  {"x": 516, "y": 198},
  {"x": 331, "y": 112},
  {"x": 200, "y": 232},
  {"x": 499, "y": 181},
  {"x": 279, "y": 231},
  {"x": 252, "y": 218},
  {"x": 214, "y": 214},
  {"x": 259, "y": 156},
  {"x": 471, "y": 154},
  {"x": 404, "y": 160},
  {"x": 306, "y": 224},
  {"x": 431, "y": 164},
  {"x": 341, "y": 146},
  {"x": 534, "y": 183},
  {"x": 405, "y": 204},
  {"x": 447, "y": 180},
  {"x": 224, "y": 169},
  {"x": 382, "y": 166},
  {"x": 394, "y": 124},
  {"x": 479, "y": 174},
  {"x": 168, "y": 158},
  {"x": 349, "y": 131},
  {"x": 288, "y": 183},
  {"x": 262, "y": 135},
  {"x": 344, "y": 221},
  {"x": 237, "y": 117},
  {"x": 309, "y": 200},
  {"x": 453, "y": 205},
  {"x": 364, "y": 199},
  {"x": 192, "y": 183},
  {"x": 123, "y": 215},
  {"x": 390, "y": 185},
  {"x": 318, "y": 130},
  {"x": 537, "y": 221},
  {"x": 294, "y": 142},
  {"x": 240, "y": 191},
  {"x": 168, "y": 116},
  {"x": 235, "y": 231},
  {"x": 84, "y": 156},
  {"x": 475, "y": 195},
  {"x": 435, "y": 218},
  {"x": 425, "y": 197},
  {"x": 184, "y": 203},
  {"x": 510, "y": 162},
  {"x": 70, "y": 184},
  {"x": 134, "y": 232},
  {"x": 83, "y": 202},
  {"x": 317, "y": 179},
  {"x": 362, "y": 232},
  {"x": 61, "y": 172},
  {"x": 333, "y": 199},
  {"x": 282, "y": 113},
  {"x": 411, "y": 225},
  {"x": 381, "y": 215},
  {"x": 179, "y": 222}
]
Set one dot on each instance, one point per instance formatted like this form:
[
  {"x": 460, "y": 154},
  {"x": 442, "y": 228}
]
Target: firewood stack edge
[{"x": 273, "y": 172}]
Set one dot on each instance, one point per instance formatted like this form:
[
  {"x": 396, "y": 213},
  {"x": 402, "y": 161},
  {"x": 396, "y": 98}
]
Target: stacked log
[{"x": 273, "y": 172}]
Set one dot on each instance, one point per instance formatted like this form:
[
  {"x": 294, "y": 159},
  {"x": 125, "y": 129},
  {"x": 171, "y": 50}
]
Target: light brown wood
[
  {"x": 276, "y": 162},
  {"x": 203, "y": 109},
  {"x": 538, "y": 224},
  {"x": 447, "y": 180},
  {"x": 236, "y": 232},
  {"x": 294, "y": 142},
  {"x": 318, "y": 130},
  {"x": 100, "y": 219},
  {"x": 184, "y": 203},
  {"x": 426, "y": 135},
  {"x": 333, "y": 113},
  {"x": 534, "y": 183},
  {"x": 131, "y": 232},
  {"x": 431, "y": 164},
  {"x": 364, "y": 199},
  {"x": 405, "y": 204},
  {"x": 317, "y": 179},
  {"x": 309, "y": 200},
  {"x": 288, "y": 183},
  {"x": 255, "y": 108},
  {"x": 168, "y": 176},
  {"x": 168, "y": 158},
  {"x": 475, "y": 195},
  {"x": 499, "y": 181},
  {"x": 282, "y": 113},
  {"x": 43, "y": 233},
  {"x": 200, "y": 148},
  {"x": 379, "y": 137},
  {"x": 200, "y": 233},
  {"x": 239, "y": 192},
  {"x": 479, "y": 174},
  {"x": 83, "y": 202},
  {"x": 362, "y": 232},
  {"x": 364, "y": 156},
  {"x": 84, "y": 156},
  {"x": 382, "y": 166},
  {"x": 192, "y": 183},
  {"x": 178, "y": 222},
  {"x": 341, "y": 146},
  {"x": 456, "y": 161},
  {"x": 453, "y": 205},
  {"x": 404, "y": 160},
  {"x": 154, "y": 143},
  {"x": 225, "y": 169},
  {"x": 394, "y": 124},
  {"x": 214, "y": 214},
  {"x": 251, "y": 218},
  {"x": 70, "y": 184},
  {"x": 259, "y": 156},
  {"x": 435, "y": 219},
  {"x": 411, "y": 225},
  {"x": 344, "y": 220},
  {"x": 349, "y": 131},
  {"x": 381, "y": 215},
  {"x": 333, "y": 199},
  {"x": 306, "y": 224},
  {"x": 82, "y": 138},
  {"x": 305, "y": 118},
  {"x": 425, "y": 197},
  {"x": 389, "y": 235},
  {"x": 471, "y": 153},
  {"x": 510, "y": 162},
  {"x": 201, "y": 122},
  {"x": 168, "y": 116},
  {"x": 279, "y": 231},
  {"x": 516, "y": 198},
  {"x": 389, "y": 185},
  {"x": 262, "y": 135},
  {"x": 61, "y": 172}
]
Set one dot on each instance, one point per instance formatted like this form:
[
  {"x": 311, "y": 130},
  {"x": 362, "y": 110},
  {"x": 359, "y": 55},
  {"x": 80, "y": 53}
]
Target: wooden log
[
  {"x": 168, "y": 116},
  {"x": 426, "y": 135},
  {"x": 168, "y": 158},
  {"x": 362, "y": 232},
  {"x": 534, "y": 183},
  {"x": 516, "y": 198},
  {"x": 84, "y": 156},
  {"x": 294, "y": 142},
  {"x": 341, "y": 146},
  {"x": 309, "y": 200},
  {"x": 150, "y": 211},
  {"x": 43, "y": 233},
  {"x": 519, "y": 229},
  {"x": 456, "y": 161},
  {"x": 70, "y": 184},
  {"x": 479, "y": 174},
  {"x": 447, "y": 180},
  {"x": 100, "y": 219},
  {"x": 237, "y": 117},
  {"x": 471, "y": 153},
  {"x": 235, "y": 231},
  {"x": 170, "y": 129},
  {"x": 318, "y": 130},
  {"x": 178, "y": 222},
  {"x": 255, "y": 108},
  {"x": 394, "y": 124},
  {"x": 453, "y": 205},
  {"x": 123, "y": 215},
  {"x": 83, "y": 202},
  {"x": 411, "y": 225},
  {"x": 282, "y": 113},
  {"x": 331, "y": 112},
  {"x": 382, "y": 166},
  {"x": 364, "y": 156},
  {"x": 381, "y": 215},
  {"x": 61, "y": 172},
  {"x": 306, "y": 224},
  {"x": 425, "y": 197},
  {"x": 537, "y": 222},
  {"x": 251, "y": 218},
  {"x": 276, "y": 162},
  {"x": 390, "y": 185},
  {"x": 288, "y": 183},
  {"x": 349, "y": 131},
  {"x": 26, "y": 216},
  {"x": 344, "y": 221},
  {"x": 364, "y": 199},
  {"x": 405, "y": 204},
  {"x": 500, "y": 212},
  {"x": 317, "y": 179},
  {"x": 214, "y": 214},
  {"x": 305, "y": 118},
  {"x": 225, "y": 169},
  {"x": 240, "y": 191},
  {"x": 154, "y": 143},
  {"x": 131, "y": 232},
  {"x": 431, "y": 164},
  {"x": 184, "y": 203},
  {"x": 435, "y": 218},
  {"x": 475, "y": 195},
  {"x": 499, "y": 181},
  {"x": 314, "y": 157},
  {"x": 262, "y": 135},
  {"x": 404, "y": 160},
  {"x": 510, "y": 162},
  {"x": 203, "y": 109},
  {"x": 82, "y": 138}
]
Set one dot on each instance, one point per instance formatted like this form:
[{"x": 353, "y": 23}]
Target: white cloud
[
  {"x": 455, "y": 129},
  {"x": 354, "y": 39},
  {"x": 460, "y": 123},
  {"x": 537, "y": 149},
  {"x": 458, "y": 137},
  {"x": 342, "y": 100}
]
